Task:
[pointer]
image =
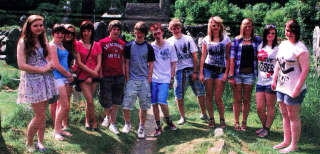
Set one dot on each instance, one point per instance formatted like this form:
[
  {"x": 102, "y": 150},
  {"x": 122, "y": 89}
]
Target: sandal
[
  {"x": 236, "y": 126},
  {"x": 65, "y": 133},
  {"x": 211, "y": 122},
  {"x": 264, "y": 133},
  {"x": 244, "y": 126},
  {"x": 57, "y": 136},
  {"x": 259, "y": 131},
  {"x": 222, "y": 123}
]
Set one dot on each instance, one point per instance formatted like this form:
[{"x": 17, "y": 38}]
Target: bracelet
[
  {"x": 231, "y": 76},
  {"x": 195, "y": 72}
]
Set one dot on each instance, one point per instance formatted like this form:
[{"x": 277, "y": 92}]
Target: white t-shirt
[
  {"x": 267, "y": 61},
  {"x": 290, "y": 68},
  {"x": 216, "y": 51},
  {"x": 184, "y": 48},
  {"x": 162, "y": 66}
]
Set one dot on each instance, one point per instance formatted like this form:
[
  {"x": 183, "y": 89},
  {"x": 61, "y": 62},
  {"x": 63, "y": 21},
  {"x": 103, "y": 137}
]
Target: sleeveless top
[
  {"x": 36, "y": 87},
  {"x": 63, "y": 60}
]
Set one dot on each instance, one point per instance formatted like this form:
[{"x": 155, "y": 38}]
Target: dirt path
[{"x": 149, "y": 144}]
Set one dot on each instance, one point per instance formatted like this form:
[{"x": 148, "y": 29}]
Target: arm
[
  {"x": 127, "y": 69},
  {"x": 275, "y": 77},
  {"x": 203, "y": 56},
  {"x": 22, "y": 61},
  {"x": 195, "y": 65},
  {"x": 173, "y": 68},
  {"x": 150, "y": 70},
  {"x": 231, "y": 61},
  {"x": 123, "y": 64},
  {"x": 56, "y": 62},
  {"x": 225, "y": 76},
  {"x": 305, "y": 67},
  {"x": 98, "y": 66}
]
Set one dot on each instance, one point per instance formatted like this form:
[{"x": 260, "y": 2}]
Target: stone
[
  {"x": 217, "y": 146},
  {"x": 100, "y": 30},
  {"x": 11, "y": 46},
  {"x": 218, "y": 132}
]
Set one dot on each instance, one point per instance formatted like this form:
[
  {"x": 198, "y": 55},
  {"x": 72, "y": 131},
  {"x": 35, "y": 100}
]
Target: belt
[{"x": 214, "y": 68}]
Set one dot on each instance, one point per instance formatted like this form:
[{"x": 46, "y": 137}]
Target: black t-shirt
[{"x": 247, "y": 57}]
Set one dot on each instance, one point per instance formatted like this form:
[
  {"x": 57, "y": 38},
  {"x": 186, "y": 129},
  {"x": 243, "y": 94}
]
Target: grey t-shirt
[{"x": 139, "y": 55}]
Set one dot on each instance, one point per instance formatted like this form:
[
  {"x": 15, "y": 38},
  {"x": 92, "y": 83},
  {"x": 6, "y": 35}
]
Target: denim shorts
[
  {"x": 208, "y": 74},
  {"x": 111, "y": 91},
  {"x": 245, "y": 78},
  {"x": 281, "y": 97},
  {"x": 134, "y": 89},
  {"x": 61, "y": 81},
  {"x": 182, "y": 79},
  {"x": 159, "y": 93},
  {"x": 266, "y": 88}
]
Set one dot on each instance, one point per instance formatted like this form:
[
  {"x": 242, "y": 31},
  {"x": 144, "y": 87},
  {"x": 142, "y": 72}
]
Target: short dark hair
[
  {"x": 141, "y": 26},
  {"x": 156, "y": 26},
  {"x": 295, "y": 28},
  {"x": 114, "y": 23},
  {"x": 58, "y": 28},
  {"x": 87, "y": 25}
]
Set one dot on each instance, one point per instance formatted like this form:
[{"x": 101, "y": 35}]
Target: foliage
[
  {"x": 198, "y": 12},
  {"x": 7, "y": 19}
]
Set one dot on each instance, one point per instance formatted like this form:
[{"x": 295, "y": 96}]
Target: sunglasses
[
  {"x": 272, "y": 26},
  {"x": 69, "y": 32}
]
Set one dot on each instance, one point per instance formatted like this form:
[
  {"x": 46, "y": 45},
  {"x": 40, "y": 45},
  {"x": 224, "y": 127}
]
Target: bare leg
[
  {"x": 209, "y": 85},
  {"x": 247, "y": 90},
  {"x": 180, "y": 103},
  {"x": 142, "y": 115},
  {"x": 237, "y": 92},
  {"x": 202, "y": 104},
  {"x": 219, "y": 84},
  {"x": 165, "y": 110},
  {"x": 88, "y": 91},
  {"x": 156, "y": 112},
  {"x": 261, "y": 104},
  {"x": 271, "y": 100},
  {"x": 53, "y": 108},
  {"x": 126, "y": 115},
  {"x": 63, "y": 108},
  {"x": 286, "y": 127},
  {"x": 113, "y": 113}
]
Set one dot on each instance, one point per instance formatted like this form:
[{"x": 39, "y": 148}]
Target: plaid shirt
[{"x": 235, "y": 52}]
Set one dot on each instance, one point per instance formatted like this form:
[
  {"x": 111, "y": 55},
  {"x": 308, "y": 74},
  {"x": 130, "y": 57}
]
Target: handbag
[{"x": 76, "y": 80}]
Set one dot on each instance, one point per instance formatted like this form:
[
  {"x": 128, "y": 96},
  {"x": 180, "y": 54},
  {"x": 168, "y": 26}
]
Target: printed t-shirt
[
  {"x": 290, "y": 68},
  {"x": 162, "y": 66},
  {"x": 184, "y": 48},
  {"x": 139, "y": 55},
  {"x": 267, "y": 62},
  {"x": 112, "y": 50},
  {"x": 92, "y": 59},
  {"x": 216, "y": 51}
]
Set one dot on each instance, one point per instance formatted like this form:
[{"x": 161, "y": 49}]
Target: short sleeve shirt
[
  {"x": 92, "y": 59},
  {"x": 112, "y": 51},
  {"x": 139, "y": 55},
  {"x": 216, "y": 51},
  {"x": 267, "y": 62},
  {"x": 162, "y": 66},
  {"x": 184, "y": 48},
  {"x": 290, "y": 68}
]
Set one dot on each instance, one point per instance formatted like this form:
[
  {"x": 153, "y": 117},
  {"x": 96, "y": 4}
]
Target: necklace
[{"x": 247, "y": 39}]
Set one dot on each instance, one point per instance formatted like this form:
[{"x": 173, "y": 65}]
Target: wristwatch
[{"x": 231, "y": 76}]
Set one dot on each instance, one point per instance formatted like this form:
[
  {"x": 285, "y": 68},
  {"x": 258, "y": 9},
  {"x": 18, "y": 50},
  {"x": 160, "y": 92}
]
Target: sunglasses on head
[
  {"x": 272, "y": 26},
  {"x": 69, "y": 32}
]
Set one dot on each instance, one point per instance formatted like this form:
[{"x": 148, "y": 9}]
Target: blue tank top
[{"x": 63, "y": 60}]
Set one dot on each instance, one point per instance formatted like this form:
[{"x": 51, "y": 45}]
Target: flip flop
[
  {"x": 65, "y": 133},
  {"x": 57, "y": 136},
  {"x": 236, "y": 126}
]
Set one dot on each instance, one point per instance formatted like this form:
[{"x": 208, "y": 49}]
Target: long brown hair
[
  {"x": 26, "y": 35},
  {"x": 242, "y": 27},
  {"x": 219, "y": 21},
  {"x": 70, "y": 45}
]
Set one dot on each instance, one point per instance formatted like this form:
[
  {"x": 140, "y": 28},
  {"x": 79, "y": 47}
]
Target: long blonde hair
[
  {"x": 219, "y": 21},
  {"x": 243, "y": 25}
]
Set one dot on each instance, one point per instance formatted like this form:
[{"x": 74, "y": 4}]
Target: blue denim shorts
[
  {"x": 208, "y": 74},
  {"x": 281, "y": 97},
  {"x": 245, "y": 78},
  {"x": 182, "y": 79},
  {"x": 266, "y": 88},
  {"x": 61, "y": 81},
  {"x": 134, "y": 89},
  {"x": 159, "y": 93}
]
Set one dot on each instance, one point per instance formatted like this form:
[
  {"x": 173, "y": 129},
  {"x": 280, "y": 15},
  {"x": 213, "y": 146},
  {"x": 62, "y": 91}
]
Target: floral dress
[{"x": 36, "y": 87}]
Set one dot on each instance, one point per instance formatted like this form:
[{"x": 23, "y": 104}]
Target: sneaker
[
  {"x": 141, "y": 133},
  {"x": 205, "y": 118},
  {"x": 182, "y": 121},
  {"x": 106, "y": 121},
  {"x": 157, "y": 131},
  {"x": 171, "y": 125},
  {"x": 126, "y": 128},
  {"x": 114, "y": 129}
]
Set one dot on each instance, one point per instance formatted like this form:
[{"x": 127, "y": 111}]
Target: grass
[{"x": 193, "y": 137}]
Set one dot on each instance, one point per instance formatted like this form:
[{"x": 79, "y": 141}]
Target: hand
[
  {"x": 149, "y": 80},
  {"x": 273, "y": 86},
  {"x": 232, "y": 81},
  {"x": 71, "y": 79},
  {"x": 48, "y": 68},
  {"x": 296, "y": 92},
  {"x": 194, "y": 76},
  {"x": 88, "y": 80},
  {"x": 201, "y": 77},
  {"x": 95, "y": 74},
  {"x": 170, "y": 85},
  {"x": 225, "y": 77}
]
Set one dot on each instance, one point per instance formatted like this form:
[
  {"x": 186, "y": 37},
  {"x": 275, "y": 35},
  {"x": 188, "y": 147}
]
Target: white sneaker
[
  {"x": 106, "y": 121},
  {"x": 141, "y": 133},
  {"x": 126, "y": 128},
  {"x": 114, "y": 129},
  {"x": 181, "y": 121}
]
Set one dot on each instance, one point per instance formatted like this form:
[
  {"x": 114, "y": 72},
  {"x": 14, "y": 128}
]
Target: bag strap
[{"x": 86, "y": 58}]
